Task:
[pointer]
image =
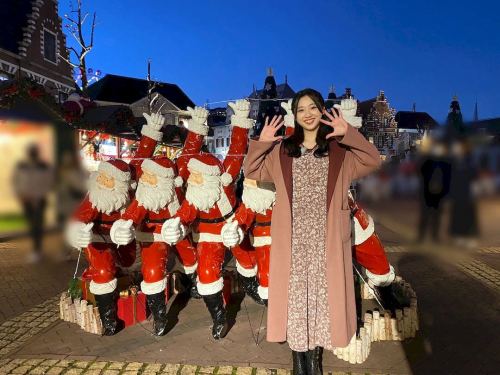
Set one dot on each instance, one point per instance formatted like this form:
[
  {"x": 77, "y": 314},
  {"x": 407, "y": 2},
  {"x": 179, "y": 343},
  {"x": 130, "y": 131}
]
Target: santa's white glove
[
  {"x": 231, "y": 234},
  {"x": 198, "y": 121},
  {"x": 289, "y": 117},
  {"x": 155, "y": 120},
  {"x": 172, "y": 231},
  {"x": 349, "y": 108},
  {"x": 122, "y": 232},
  {"x": 381, "y": 280},
  {"x": 241, "y": 111},
  {"x": 153, "y": 126},
  {"x": 78, "y": 234}
]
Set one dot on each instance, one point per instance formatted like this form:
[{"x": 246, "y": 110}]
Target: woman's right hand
[{"x": 269, "y": 130}]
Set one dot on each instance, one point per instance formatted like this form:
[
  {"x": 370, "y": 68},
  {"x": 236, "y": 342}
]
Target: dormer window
[{"x": 49, "y": 46}]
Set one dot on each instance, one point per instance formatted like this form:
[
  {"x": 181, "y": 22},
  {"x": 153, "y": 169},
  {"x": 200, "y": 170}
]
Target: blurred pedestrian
[
  {"x": 435, "y": 183},
  {"x": 463, "y": 208},
  {"x": 33, "y": 179}
]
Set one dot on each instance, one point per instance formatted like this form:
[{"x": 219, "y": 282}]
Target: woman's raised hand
[
  {"x": 269, "y": 130},
  {"x": 337, "y": 122}
]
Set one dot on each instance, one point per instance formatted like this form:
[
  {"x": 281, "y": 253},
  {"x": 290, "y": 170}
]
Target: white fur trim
[
  {"x": 153, "y": 288},
  {"x": 188, "y": 270},
  {"x": 361, "y": 235},
  {"x": 260, "y": 240},
  {"x": 206, "y": 237},
  {"x": 133, "y": 184},
  {"x": 223, "y": 204},
  {"x": 104, "y": 288},
  {"x": 174, "y": 205},
  {"x": 155, "y": 168},
  {"x": 113, "y": 171},
  {"x": 226, "y": 179},
  {"x": 242, "y": 122},
  {"x": 178, "y": 181},
  {"x": 151, "y": 132},
  {"x": 246, "y": 272},
  {"x": 210, "y": 288},
  {"x": 263, "y": 292},
  {"x": 381, "y": 280},
  {"x": 197, "y": 128},
  {"x": 199, "y": 166}
]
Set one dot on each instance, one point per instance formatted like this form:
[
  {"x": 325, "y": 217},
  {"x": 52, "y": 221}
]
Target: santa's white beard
[
  {"x": 108, "y": 200},
  {"x": 155, "y": 198},
  {"x": 204, "y": 196},
  {"x": 258, "y": 199}
]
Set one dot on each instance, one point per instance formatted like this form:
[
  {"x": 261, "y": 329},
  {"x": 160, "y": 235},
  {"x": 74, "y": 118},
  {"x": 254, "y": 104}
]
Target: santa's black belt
[
  {"x": 216, "y": 220},
  {"x": 262, "y": 224},
  {"x": 100, "y": 222},
  {"x": 155, "y": 221}
]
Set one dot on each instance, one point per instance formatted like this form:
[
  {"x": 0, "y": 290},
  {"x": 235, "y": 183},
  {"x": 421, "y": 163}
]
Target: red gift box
[{"x": 132, "y": 307}]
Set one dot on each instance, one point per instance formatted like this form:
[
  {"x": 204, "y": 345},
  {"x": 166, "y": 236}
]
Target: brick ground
[{"x": 458, "y": 304}]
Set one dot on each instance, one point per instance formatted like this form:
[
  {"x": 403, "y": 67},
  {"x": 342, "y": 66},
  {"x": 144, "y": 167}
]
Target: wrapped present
[
  {"x": 132, "y": 307},
  {"x": 123, "y": 283}
]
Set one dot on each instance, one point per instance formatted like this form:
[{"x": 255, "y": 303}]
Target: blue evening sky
[{"x": 416, "y": 51}]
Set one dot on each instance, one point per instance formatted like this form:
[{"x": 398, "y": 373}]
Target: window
[
  {"x": 219, "y": 142},
  {"x": 49, "y": 46},
  {"x": 227, "y": 141}
]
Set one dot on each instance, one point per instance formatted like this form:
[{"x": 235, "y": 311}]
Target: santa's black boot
[
  {"x": 215, "y": 305},
  {"x": 250, "y": 286},
  {"x": 193, "y": 288},
  {"x": 107, "y": 311},
  {"x": 157, "y": 306}
]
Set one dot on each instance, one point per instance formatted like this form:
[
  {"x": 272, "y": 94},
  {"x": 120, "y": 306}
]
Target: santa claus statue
[
  {"x": 156, "y": 199},
  {"x": 210, "y": 202},
  {"x": 368, "y": 250},
  {"x": 254, "y": 216},
  {"x": 89, "y": 229}
]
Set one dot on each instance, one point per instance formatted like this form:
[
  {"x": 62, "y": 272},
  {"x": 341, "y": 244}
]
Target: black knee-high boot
[
  {"x": 107, "y": 311},
  {"x": 314, "y": 361},
  {"x": 299, "y": 363},
  {"x": 215, "y": 305},
  {"x": 158, "y": 307}
]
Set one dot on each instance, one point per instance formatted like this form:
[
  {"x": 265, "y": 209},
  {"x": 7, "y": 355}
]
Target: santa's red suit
[
  {"x": 368, "y": 250},
  {"x": 254, "y": 216},
  {"x": 207, "y": 207},
  {"x": 91, "y": 223}
]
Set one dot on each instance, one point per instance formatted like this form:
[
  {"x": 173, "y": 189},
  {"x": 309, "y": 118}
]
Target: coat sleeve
[
  {"x": 244, "y": 216},
  {"x": 187, "y": 213},
  {"x": 362, "y": 157},
  {"x": 134, "y": 212},
  {"x": 192, "y": 146},
  {"x": 146, "y": 149},
  {"x": 258, "y": 164},
  {"x": 85, "y": 212},
  {"x": 236, "y": 153}
]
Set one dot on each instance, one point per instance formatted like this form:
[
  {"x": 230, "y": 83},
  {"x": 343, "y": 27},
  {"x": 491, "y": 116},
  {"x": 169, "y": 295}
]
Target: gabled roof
[
  {"x": 491, "y": 125},
  {"x": 127, "y": 90},
  {"x": 284, "y": 91},
  {"x": 13, "y": 16},
  {"x": 415, "y": 120}
]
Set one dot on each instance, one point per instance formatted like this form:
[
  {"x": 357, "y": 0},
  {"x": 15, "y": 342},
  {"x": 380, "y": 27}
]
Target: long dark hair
[{"x": 292, "y": 143}]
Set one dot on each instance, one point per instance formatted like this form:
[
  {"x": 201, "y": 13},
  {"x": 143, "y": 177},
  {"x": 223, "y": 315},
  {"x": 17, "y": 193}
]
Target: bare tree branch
[
  {"x": 92, "y": 33},
  {"x": 69, "y": 62}
]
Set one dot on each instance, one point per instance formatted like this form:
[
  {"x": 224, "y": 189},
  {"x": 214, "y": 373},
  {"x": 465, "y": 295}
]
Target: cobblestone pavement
[{"x": 458, "y": 307}]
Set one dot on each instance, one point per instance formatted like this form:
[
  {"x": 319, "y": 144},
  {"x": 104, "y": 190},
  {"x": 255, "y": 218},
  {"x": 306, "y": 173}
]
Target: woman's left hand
[{"x": 337, "y": 122}]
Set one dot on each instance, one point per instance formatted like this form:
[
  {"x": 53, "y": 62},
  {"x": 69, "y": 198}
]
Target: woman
[{"x": 311, "y": 286}]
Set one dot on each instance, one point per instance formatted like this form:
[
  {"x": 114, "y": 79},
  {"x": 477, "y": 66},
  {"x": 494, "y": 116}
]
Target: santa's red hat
[
  {"x": 162, "y": 167},
  {"x": 208, "y": 164},
  {"x": 115, "y": 168}
]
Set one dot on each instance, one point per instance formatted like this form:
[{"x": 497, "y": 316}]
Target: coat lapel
[
  {"x": 286, "y": 169},
  {"x": 336, "y": 158}
]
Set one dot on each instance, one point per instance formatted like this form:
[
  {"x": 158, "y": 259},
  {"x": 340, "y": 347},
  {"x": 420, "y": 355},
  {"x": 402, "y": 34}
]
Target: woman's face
[{"x": 308, "y": 114}]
